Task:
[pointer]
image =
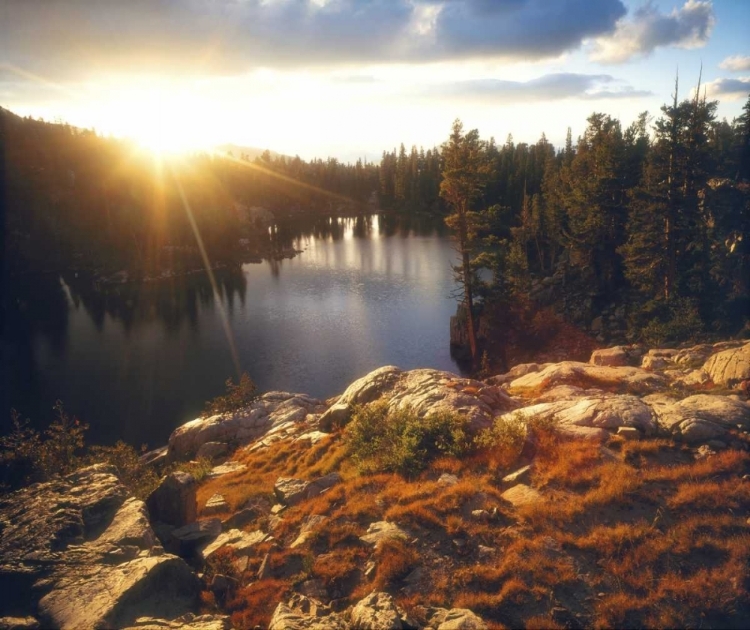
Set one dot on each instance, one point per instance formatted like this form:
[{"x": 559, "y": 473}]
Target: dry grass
[{"x": 645, "y": 537}]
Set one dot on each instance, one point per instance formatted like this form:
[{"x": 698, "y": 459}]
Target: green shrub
[
  {"x": 198, "y": 468},
  {"x": 400, "y": 441},
  {"x": 237, "y": 397},
  {"x": 140, "y": 480},
  {"x": 28, "y": 455},
  {"x": 505, "y": 438},
  {"x": 660, "y": 321}
]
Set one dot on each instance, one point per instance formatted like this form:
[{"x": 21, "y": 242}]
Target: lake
[{"x": 138, "y": 360}]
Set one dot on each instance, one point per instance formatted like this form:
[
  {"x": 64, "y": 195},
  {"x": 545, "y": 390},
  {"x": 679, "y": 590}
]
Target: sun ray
[{"x": 212, "y": 279}]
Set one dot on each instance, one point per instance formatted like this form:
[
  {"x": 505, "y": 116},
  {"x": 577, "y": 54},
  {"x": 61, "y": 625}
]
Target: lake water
[{"x": 140, "y": 360}]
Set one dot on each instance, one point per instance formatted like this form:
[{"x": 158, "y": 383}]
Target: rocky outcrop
[
  {"x": 730, "y": 366},
  {"x": 702, "y": 417},
  {"x": 591, "y": 414},
  {"x": 378, "y": 611},
  {"x": 305, "y": 613},
  {"x": 274, "y": 411},
  {"x": 427, "y": 391},
  {"x": 81, "y": 553}
]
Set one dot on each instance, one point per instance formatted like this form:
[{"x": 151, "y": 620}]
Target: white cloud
[
  {"x": 549, "y": 87},
  {"x": 730, "y": 89},
  {"x": 737, "y": 63},
  {"x": 687, "y": 27}
]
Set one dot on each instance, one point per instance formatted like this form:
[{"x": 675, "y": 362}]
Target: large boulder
[
  {"x": 92, "y": 596},
  {"x": 80, "y": 553},
  {"x": 428, "y": 391},
  {"x": 592, "y": 415},
  {"x": 730, "y": 366},
  {"x": 174, "y": 500},
  {"x": 270, "y": 412},
  {"x": 612, "y": 357},
  {"x": 702, "y": 417}
]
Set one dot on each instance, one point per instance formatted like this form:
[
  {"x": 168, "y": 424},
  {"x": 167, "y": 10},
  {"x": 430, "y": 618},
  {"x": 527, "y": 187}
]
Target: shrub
[
  {"x": 660, "y": 321},
  {"x": 139, "y": 479},
  {"x": 28, "y": 456},
  {"x": 198, "y": 468},
  {"x": 401, "y": 441},
  {"x": 504, "y": 439},
  {"x": 237, "y": 397}
]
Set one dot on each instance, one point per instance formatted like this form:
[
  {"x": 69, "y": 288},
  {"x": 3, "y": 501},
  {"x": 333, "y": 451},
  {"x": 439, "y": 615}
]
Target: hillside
[{"x": 612, "y": 493}]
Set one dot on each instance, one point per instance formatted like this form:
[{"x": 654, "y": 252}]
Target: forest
[{"x": 636, "y": 232}]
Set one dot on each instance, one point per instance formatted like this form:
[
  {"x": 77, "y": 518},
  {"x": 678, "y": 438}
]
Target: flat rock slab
[
  {"x": 521, "y": 495},
  {"x": 185, "y": 622},
  {"x": 585, "y": 376},
  {"x": 241, "y": 542},
  {"x": 592, "y": 416},
  {"x": 114, "y": 596},
  {"x": 226, "y": 469},
  {"x": 216, "y": 504}
]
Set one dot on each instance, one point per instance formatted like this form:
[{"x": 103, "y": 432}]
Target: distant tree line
[{"x": 655, "y": 216}]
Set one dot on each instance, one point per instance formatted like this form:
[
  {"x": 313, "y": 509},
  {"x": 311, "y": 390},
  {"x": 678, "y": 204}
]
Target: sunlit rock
[{"x": 729, "y": 366}]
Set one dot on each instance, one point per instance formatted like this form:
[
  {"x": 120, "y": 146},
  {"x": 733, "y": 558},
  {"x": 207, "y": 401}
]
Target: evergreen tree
[{"x": 464, "y": 173}]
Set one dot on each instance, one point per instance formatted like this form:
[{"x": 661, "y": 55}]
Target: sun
[{"x": 160, "y": 118}]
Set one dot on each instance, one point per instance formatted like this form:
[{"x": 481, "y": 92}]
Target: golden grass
[{"x": 663, "y": 537}]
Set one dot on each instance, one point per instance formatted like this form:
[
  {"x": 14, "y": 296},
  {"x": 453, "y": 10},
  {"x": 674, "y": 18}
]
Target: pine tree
[{"x": 464, "y": 173}]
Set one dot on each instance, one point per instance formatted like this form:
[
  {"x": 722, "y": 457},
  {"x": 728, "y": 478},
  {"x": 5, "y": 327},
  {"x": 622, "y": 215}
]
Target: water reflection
[
  {"x": 136, "y": 360},
  {"x": 172, "y": 302}
]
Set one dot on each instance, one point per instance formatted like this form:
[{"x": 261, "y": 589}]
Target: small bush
[
  {"x": 237, "y": 397},
  {"x": 28, "y": 455},
  {"x": 504, "y": 439},
  {"x": 660, "y": 321},
  {"x": 139, "y": 479},
  {"x": 401, "y": 441},
  {"x": 198, "y": 468}
]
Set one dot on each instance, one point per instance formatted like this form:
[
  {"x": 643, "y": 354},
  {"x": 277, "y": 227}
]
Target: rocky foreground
[{"x": 282, "y": 523}]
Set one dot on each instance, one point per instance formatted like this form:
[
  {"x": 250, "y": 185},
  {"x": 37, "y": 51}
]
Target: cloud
[
  {"x": 74, "y": 37},
  {"x": 687, "y": 27},
  {"x": 731, "y": 89},
  {"x": 549, "y": 87},
  {"x": 736, "y": 63}
]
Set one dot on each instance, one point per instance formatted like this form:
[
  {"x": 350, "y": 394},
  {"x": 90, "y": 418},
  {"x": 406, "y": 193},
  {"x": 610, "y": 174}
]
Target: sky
[{"x": 351, "y": 78}]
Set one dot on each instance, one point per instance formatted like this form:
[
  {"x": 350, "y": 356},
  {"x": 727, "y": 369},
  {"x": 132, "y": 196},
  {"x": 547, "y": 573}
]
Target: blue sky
[{"x": 349, "y": 78}]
